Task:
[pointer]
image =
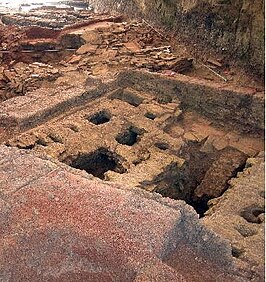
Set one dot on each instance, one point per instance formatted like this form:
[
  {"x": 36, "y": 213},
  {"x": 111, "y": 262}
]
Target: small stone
[
  {"x": 87, "y": 48},
  {"x": 74, "y": 59}
]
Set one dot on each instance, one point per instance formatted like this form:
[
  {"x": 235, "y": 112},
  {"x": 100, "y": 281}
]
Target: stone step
[{"x": 39, "y": 106}]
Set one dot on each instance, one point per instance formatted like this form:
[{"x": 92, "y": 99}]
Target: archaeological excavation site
[{"x": 132, "y": 141}]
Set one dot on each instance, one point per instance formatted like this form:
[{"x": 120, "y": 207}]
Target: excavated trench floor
[
  {"x": 121, "y": 132},
  {"x": 127, "y": 136},
  {"x": 178, "y": 154}
]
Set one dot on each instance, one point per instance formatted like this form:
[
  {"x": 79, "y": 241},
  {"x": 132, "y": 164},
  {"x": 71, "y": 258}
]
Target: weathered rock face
[
  {"x": 243, "y": 204},
  {"x": 232, "y": 27}
]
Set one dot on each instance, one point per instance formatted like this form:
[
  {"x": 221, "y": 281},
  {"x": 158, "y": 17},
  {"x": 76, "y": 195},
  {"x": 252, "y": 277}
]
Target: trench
[{"x": 202, "y": 177}]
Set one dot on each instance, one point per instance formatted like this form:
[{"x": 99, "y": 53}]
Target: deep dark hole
[
  {"x": 128, "y": 137},
  {"x": 181, "y": 183},
  {"x": 150, "y": 115},
  {"x": 98, "y": 163},
  {"x": 100, "y": 117},
  {"x": 236, "y": 252},
  {"x": 197, "y": 163},
  {"x": 200, "y": 206}
]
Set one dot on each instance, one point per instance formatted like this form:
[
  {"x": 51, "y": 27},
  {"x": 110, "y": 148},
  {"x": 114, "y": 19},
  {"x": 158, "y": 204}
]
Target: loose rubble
[
  {"x": 23, "y": 77},
  {"x": 101, "y": 45}
]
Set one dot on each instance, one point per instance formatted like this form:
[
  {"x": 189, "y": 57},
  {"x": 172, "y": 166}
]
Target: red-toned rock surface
[{"x": 58, "y": 224}]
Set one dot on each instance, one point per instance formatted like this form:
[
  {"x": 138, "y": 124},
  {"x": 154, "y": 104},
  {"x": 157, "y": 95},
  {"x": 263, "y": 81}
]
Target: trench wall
[
  {"x": 241, "y": 108},
  {"x": 233, "y": 28}
]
